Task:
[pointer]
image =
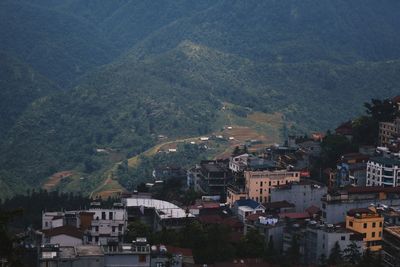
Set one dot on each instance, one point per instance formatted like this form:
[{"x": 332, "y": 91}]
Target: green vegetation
[{"x": 171, "y": 66}]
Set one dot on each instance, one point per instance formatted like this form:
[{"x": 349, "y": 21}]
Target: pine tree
[
  {"x": 336, "y": 255},
  {"x": 352, "y": 253}
]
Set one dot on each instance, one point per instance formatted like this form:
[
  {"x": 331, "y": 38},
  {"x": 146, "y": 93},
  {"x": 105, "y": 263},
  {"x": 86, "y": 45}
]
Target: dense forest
[{"x": 80, "y": 75}]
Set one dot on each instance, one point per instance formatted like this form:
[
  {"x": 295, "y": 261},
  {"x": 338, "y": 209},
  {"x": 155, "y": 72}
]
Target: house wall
[
  {"x": 303, "y": 196},
  {"x": 259, "y": 183},
  {"x": 65, "y": 240}
]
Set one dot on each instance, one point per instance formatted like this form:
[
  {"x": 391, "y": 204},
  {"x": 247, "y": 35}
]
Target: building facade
[
  {"x": 259, "y": 184},
  {"x": 369, "y": 224},
  {"x": 383, "y": 171}
]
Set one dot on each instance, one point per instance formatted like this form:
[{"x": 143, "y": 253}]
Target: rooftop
[
  {"x": 64, "y": 230},
  {"x": 88, "y": 250},
  {"x": 354, "y": 212},
  {"x": 248, "y": 203},
  {"x": 393, "y": 230},
  {"x": 164, "y": 209},
  {"x": 386, "y": 161}
]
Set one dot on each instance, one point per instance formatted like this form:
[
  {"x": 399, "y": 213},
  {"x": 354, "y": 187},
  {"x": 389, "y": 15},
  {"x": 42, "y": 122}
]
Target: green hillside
[
  {"x": 138, "y": 69},
  {"x": 57, "y": 45},
  {"x": 19, "y": 86}
]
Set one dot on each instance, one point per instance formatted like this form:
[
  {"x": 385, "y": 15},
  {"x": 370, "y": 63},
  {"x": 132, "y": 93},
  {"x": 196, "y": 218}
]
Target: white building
[{"x": 383, "y": 171}]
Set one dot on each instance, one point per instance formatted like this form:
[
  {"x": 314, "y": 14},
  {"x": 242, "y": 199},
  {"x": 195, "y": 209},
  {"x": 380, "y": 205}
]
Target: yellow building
[
  {"x": 368, "y": 223},
  {"x": 259, "y": 183}
]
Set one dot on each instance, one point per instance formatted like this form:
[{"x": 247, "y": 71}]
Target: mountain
[
  {"x": 138, "y": 69},
  {"x": 19, "y": 86},
  {"x": 59, "y": 46},
  {"x": 288, "y": 31}
]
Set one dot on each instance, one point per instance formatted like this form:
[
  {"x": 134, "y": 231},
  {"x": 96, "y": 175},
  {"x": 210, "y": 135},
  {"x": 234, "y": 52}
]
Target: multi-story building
[
  {"x": 259, "y": 184},
  {"x": 213, "y": 177},
  {"x": 388, "y": 131},
  {"x": 135, "y": 254},
  {"x": 319, "y": 239},
  {"x": 383, "y": 171},
  {"x": 369, "y": 223},
  {"x": 303, "y": 194},
  {"x": 391, "y": 246},
  {"x": 245, "y": 207},
  {"x": 336, "y": 204},
  {"x": 107, "y": 225}
]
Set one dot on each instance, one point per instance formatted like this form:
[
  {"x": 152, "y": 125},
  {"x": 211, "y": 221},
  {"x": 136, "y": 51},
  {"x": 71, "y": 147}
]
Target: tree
[
  {"x": 323, "y": 261},
  {"x": 336, "y": 255},
  {"x": 382, "y": 110},
  {"x": 137, "y": 229},
  {"x": 252, "y": 246},
  {"x": 294, "y": 251},
  {"x": 7, "y": 240},
  {"x": 352, "y": 253}
]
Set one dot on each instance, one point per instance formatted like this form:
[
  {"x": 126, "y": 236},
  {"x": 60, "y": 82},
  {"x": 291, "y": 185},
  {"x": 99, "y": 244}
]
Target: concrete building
[
  {"x": 369, "y": 224},
  {"x": 136, "y": 254},
  {"x": 388, "y": 131},
  {"x": 391, "y": 246},
  {"x": 64, "y": 236},
  {"x": 245, "y": 207},
  {"x": 319, "y": 239},
  {"x": 107, "y": 225},
  {"x": 383, "y": 171},
  {"x": 303, "y": 194},
  {"x": 268, "y": 226},
  {"x": 336, "y": 204},
  {"x": 212, "y": 177},
  {"x": 78, "y": 256},
  {"x": 260, "y": 183},
  {"x": 157, "y": 213}
]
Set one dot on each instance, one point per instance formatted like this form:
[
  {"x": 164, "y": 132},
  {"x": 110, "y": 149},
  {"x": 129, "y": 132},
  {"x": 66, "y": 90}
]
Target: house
[
  {"x": 303, "y": 194},
  {"x": 63, "y": 235},
  {"x": 383, "y": 171},
  {"x": 243, "y": 208},
  {"x": 369, "y": 224},
  {"x": 259, "y": 184},
  {"x": 335, "y": 204},
  {"x": 345, "y": 129}
]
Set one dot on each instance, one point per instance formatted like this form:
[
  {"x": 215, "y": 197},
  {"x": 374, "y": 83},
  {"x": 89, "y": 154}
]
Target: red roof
[
  {"x": 396, "y": 99},
  {"x": 345, "y": 128},
  {"x": 211, "y": 205},
  {"x": 295, "y": 215},
  {"x": 254, "y": 217},
  {"x": 313, "y": 210},
  {"x": 187, "y": 252},
  {"x": 64, "y": 230}
]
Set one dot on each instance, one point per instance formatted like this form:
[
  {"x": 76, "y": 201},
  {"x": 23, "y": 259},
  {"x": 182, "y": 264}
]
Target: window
[
  {"x": 380, "y": 224},
  {"x": 269, "y": 183},
  {"x": 96, "y": 228},
  {"x": 110, "y": 215},
  {"x": 343, "y": 237},
  {"x": 373, "y": 234},
  {"x": 120, "y": 227},
  {"x": 351, "y": 224},
  {"x": 365, "y": 225},
  {"x": 380, "y": 234},
  {"x": 103, "y": 215},
  {"x": 113, "y": 229},
  {"x": 142, "y": 258},
  {"x": 373, "y": 224},
  {"x": 96, "y": 239},
  {"x": 261, "y": 184}
]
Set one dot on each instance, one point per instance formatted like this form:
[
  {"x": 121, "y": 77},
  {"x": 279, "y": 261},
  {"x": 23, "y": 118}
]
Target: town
[{"x": 277, "y": 206}]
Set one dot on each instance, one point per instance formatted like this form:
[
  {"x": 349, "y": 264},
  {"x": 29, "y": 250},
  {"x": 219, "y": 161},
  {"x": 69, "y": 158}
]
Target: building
[
  {"x": 268, "y": 226},
  {"x": 259, "y": 184},
  {"x": 71, "y": 256},
  {"x": 136, "y": 254},
  {"x": 369, "y": 224},
  {"x": 245, "y": 207},
  {"x": 235, "y": 192},
  {"x": 246, "y": 161},
  {"x": 336, "y": 204},
  {"x": 319, "y": 239},
  {"x": 157, "y": 213},
  {"x": 388, "y": 131},
  {"x": 97, "y": 224},
  {"x": 391, "y": 246},
  {"x": 212, "y": 177},
  {"x": 304, "y": 194},
  {"x": 107, "y": 225},
  {"x": 351, "y": 169},
  {"x": 66, "y": 235},
  {"x": 383, "y": 171}
]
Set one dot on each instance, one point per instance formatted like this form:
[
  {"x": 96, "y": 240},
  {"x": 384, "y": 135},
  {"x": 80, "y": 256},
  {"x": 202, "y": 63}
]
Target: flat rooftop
[
  {"x": 88, "y": 250},
  {"x": 164, "y": 209}
]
